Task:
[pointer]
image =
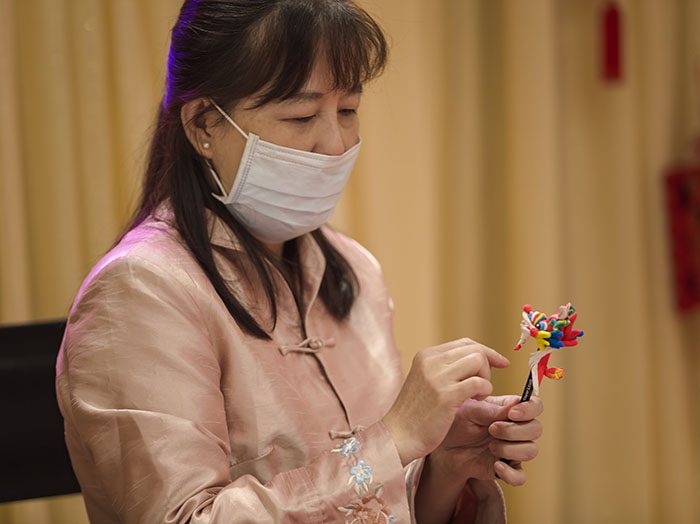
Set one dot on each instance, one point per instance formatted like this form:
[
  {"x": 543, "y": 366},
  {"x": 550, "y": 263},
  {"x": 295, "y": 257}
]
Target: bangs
[{"x": 286, "y": 44}]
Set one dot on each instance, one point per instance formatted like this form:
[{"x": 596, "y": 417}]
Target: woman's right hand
[{"x": 441, "y": 379}]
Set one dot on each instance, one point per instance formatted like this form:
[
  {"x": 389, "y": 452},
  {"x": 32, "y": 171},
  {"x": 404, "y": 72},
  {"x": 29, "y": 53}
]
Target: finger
[
  {"x": 454, "y": 354},
  {"x": 516, "y": 431},
  {"x": 529, "y": 410},
  {"x": 510, "y": 474},
  {"x": 472, "y": 364},
  {"x": 521, "y": 451},
  {"x": 504, "y": 400},
  {"x": 484, "y": 413},
  {"x": 460, "y": 342},
  {"x": 474, "y": 387},
  {"x": 494, "y": 357}
]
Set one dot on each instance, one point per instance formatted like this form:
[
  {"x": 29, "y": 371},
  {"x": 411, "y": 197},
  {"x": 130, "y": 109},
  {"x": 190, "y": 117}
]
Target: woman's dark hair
[{"x": 228, "y": 50}]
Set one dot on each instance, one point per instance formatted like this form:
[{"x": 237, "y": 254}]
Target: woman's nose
[{"x": 330, "y": 140}]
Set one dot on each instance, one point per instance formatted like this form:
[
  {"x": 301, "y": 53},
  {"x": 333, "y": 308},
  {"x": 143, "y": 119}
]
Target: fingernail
[
  {"x": 516, "y": 412},
  {"x": 500, "y": 466}
]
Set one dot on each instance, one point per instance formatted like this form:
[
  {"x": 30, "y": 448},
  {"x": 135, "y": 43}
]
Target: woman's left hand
[{"x": 484, "y": 432}]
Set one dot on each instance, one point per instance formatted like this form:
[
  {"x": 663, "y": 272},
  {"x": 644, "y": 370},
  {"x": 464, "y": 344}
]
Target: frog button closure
[{"x": 308, "y": 345}]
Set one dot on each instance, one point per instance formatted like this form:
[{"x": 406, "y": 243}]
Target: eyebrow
[{"x": 315, "y": 95}]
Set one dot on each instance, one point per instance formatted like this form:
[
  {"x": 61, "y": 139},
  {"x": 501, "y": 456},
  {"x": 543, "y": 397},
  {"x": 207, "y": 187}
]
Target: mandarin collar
[{"x": 310, "y": 254}]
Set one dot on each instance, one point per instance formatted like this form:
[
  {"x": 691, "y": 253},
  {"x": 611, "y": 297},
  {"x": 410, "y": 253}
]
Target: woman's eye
[
  {"x": 348, "y": 112},
  {"x": 303, "y": 119}
]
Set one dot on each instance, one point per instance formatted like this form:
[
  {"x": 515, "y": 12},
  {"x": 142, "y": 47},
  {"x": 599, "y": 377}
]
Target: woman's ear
[{"x": 198, "y": 123}]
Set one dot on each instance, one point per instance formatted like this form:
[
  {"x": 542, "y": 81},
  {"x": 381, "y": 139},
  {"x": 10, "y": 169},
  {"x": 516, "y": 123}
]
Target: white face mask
[{"x": 281, "y": 193}]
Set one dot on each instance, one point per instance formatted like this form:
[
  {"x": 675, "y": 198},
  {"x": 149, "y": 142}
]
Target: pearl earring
[{"x": 206, "y": 145}]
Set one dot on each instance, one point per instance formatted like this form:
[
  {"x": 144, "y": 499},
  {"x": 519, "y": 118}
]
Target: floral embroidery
[
  {"x": 362, "y": 475},
  {"x": 348, "y": 447},
  {"x": 368, "y": 508},
  {"x": 371, "y": 509}
]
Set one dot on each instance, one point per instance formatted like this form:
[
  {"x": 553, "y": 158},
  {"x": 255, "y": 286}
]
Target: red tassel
[
  {"x": 611, "y": 32},
  {"x": 683, "y": 197}
]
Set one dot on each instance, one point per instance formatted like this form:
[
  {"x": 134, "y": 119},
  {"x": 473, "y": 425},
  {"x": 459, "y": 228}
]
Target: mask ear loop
[
  {"x": 216, "y": 177},
  {"x": 230, "y": 120},
  {"x": 208, "y": 162}
]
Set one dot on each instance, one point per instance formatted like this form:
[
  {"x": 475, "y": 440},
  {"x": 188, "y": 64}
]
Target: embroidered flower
[
  {"x": 371, "y": 509},
  {"x": 348, "y": 447},
  {"x": 361, "y": 472},
  {"x": 362, "y": 475}
]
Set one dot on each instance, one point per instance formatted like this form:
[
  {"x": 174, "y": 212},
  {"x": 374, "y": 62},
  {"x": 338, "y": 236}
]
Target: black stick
[{"x": 527, "y": 393}]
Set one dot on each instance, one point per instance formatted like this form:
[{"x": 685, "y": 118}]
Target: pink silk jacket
[{"x": 174, "y": 415}]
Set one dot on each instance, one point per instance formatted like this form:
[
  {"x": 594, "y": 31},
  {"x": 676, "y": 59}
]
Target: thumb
[{"x": 485, "y": 412}]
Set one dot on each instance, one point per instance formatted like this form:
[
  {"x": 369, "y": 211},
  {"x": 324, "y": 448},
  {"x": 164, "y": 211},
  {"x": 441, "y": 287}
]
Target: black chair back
[{"x": 34, "y": 461}]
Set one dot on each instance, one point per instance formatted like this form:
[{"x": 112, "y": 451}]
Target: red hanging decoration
[
  {"x": 611, "y": 48},
  {"x": 683, "y": 197}
]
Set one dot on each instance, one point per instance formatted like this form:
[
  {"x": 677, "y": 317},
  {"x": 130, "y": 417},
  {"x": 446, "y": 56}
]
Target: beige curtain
[{"x": 497, "y": 169}]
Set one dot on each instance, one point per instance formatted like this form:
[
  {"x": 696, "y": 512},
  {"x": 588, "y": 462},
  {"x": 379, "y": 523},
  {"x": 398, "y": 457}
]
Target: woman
[{"x": 231, "y": 359}]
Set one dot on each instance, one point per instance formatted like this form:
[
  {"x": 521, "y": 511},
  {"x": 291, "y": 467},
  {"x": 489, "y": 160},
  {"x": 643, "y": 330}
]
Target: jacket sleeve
[
  {"x": 481, "y": 502},
  {"x": 139, "y": 387}
]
